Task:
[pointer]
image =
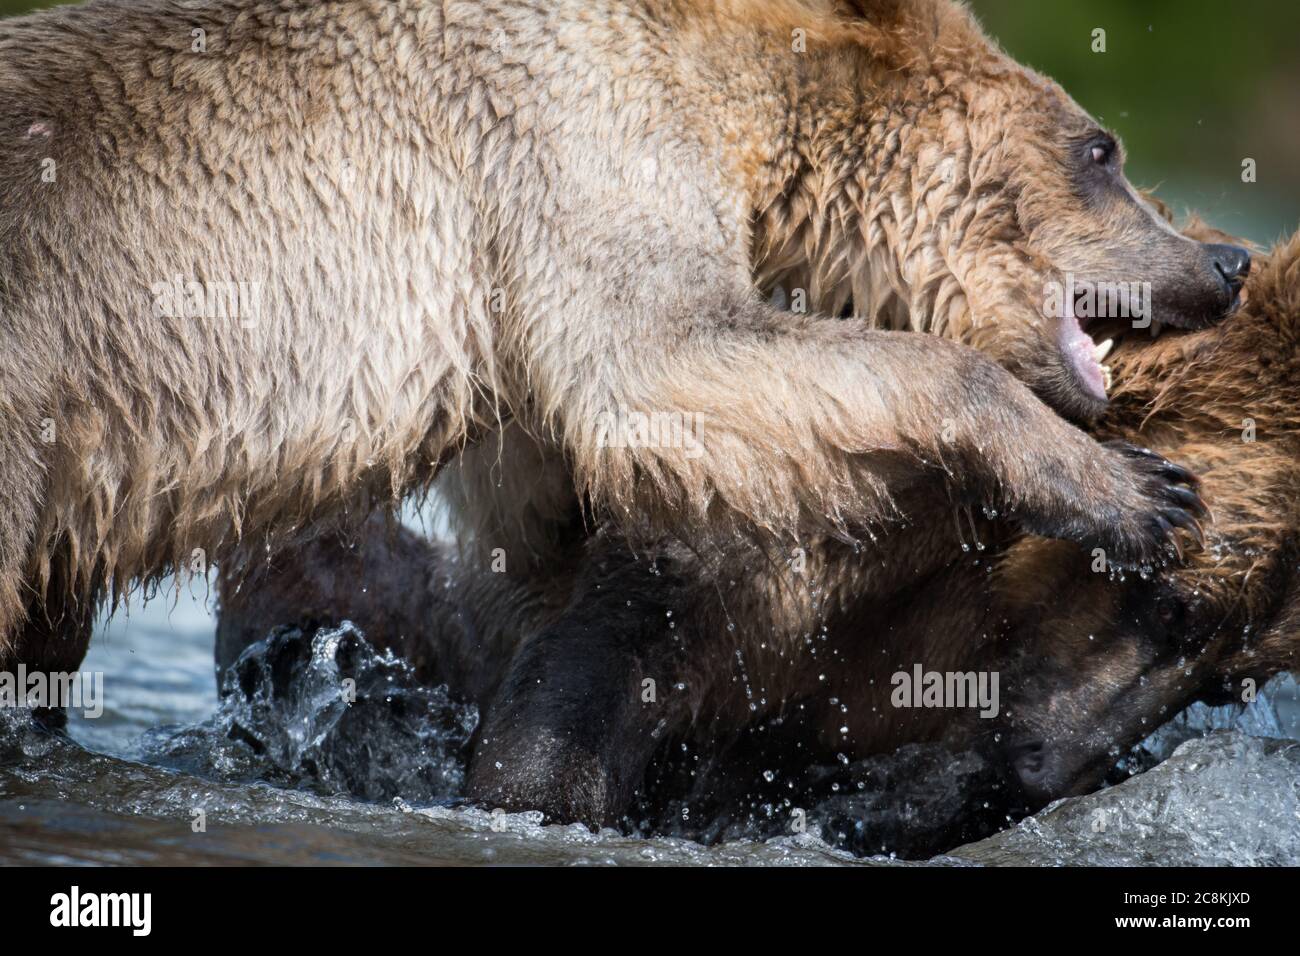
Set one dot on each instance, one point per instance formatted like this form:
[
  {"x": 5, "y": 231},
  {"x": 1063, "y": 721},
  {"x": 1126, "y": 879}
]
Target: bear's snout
[
  {"x": 1232, "y": 263},
  {"x": 1200, "y": 291},
  {"x": 1224, "y": 270},
  {"x": 1042, "y": 771}
]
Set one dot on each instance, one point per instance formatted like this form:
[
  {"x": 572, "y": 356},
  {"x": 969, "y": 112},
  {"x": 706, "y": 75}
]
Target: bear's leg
[
  {"x": 769, "y": 422},
  {"x": 377, "y": 578},
  {"x": 451, "y": 619},
  {"x": 22, "y": 487},
  {"x": 587, "y": 701},
  {"x": 53, "y": 639}
]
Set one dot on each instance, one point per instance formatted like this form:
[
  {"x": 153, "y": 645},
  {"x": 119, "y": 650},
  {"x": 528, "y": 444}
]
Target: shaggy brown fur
[
  {"x": 1090, "y": 663},
  {"x": 1117, "y": 658},
  {"x": 463, "y": 213}
]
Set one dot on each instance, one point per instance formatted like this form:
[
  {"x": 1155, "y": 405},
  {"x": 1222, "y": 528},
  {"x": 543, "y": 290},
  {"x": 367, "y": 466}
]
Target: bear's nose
[
  {"x": 1232, "y": 263},
  {"x": 1034, "y": 768}
]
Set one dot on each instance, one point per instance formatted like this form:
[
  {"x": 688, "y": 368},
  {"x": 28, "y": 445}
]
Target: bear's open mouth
[
  {"x": 1085, "y": 355},
  {"x": 1087, "y": 340}
]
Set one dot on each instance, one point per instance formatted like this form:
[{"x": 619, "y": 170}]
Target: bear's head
[
  {"x": 927, "y": 181},
  {"x": 1100, "y": 660}
]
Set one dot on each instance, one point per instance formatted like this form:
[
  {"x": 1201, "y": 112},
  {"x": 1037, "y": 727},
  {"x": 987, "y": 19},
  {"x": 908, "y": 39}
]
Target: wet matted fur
[{"x": 459, "y": 214}]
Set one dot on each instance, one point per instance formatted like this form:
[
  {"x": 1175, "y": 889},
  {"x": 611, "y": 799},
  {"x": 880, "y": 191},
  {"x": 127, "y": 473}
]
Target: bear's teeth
[
  {"x": 1105, "y": 377},
  {"x": 1102, "y": 350}
]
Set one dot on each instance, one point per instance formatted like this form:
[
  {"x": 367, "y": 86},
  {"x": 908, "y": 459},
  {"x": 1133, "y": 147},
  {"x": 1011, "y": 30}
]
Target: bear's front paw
[
  {"x": 1128, "y": 505},
  {"x": 1153, "y": 502}
]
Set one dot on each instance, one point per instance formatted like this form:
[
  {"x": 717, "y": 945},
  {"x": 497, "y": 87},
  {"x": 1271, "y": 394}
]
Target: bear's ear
[
  {"x": 893, "y": 13},
  {"x": 874, "y": 22},
  {"x": 879, "y": 12},
  {"x": 927, "y": 16},
  {"x": 913, "y": 30}
]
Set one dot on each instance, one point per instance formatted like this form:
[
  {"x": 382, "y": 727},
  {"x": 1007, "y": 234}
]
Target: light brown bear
[{"x": 264, "y": 261}]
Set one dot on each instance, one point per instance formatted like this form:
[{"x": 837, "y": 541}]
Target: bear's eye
[{"x": 1102, "y": 151}]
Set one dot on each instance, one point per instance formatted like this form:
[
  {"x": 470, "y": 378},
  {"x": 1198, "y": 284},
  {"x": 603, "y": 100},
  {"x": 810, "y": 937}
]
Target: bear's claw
[{"x": 1172, "y": 504}]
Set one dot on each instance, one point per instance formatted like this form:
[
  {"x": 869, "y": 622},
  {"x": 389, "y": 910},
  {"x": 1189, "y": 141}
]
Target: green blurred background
[{"x": 1193, "y": 87}]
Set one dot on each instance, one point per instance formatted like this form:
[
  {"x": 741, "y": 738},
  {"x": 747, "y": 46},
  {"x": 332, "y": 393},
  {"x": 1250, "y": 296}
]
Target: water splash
[{"x": 325, "y": 710}]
